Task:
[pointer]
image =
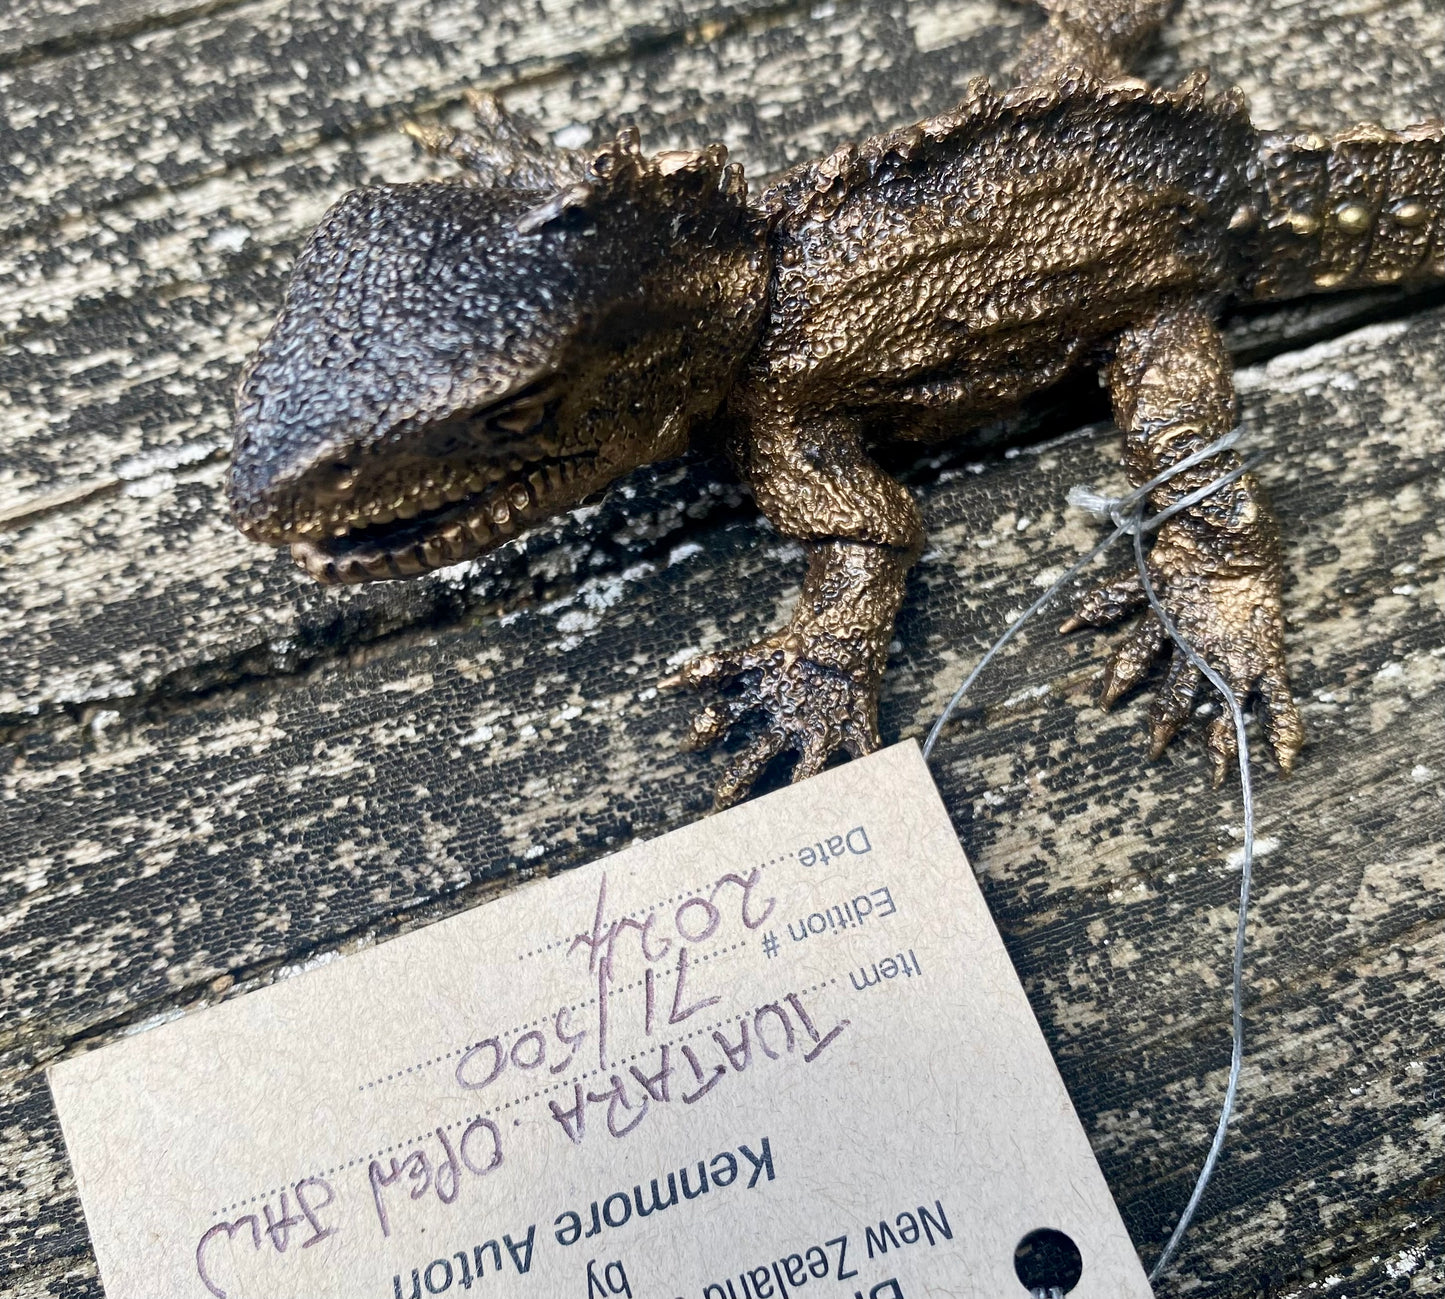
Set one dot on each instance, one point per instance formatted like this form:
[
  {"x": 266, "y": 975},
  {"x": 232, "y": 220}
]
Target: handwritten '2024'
[{"x": 698, "y": 919}]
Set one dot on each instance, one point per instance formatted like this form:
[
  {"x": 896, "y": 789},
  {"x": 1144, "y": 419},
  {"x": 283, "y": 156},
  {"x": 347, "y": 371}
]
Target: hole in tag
[{"x": 1048, "y": 1263}]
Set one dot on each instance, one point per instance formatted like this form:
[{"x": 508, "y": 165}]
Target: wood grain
[
  {"x": 214, "y": 771},
  {"x": 37, "y": 29},
  {"x": 152, "y": 303}
]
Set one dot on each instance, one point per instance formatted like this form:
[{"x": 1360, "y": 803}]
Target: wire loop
[{"x": 1128, "y": 513}]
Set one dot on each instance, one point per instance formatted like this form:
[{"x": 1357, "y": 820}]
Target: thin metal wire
[
  {"x": 1123, "y": 510},
  {"x": 1246, "y": 789},
  {"x": 952, "y": 705},
  {"x": 1128, "y": 514}
]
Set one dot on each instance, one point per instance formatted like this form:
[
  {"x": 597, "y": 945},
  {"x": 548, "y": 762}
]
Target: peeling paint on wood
[{"x": 215, "y": 771}]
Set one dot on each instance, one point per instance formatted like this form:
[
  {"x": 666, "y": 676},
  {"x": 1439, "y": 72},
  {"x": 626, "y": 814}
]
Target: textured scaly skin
[{"x": 456, "y": 360}]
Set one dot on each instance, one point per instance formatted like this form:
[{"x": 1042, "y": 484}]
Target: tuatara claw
[
  {"x": 800, "y": 705},
  {"x": 1221, "y": 587}
]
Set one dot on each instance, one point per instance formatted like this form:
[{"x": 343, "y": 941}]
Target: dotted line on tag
[
  {"x": 462, "y": 1050},
  {"x": 406, "y": 1143},
  {"x": 521, "y": 1028}
]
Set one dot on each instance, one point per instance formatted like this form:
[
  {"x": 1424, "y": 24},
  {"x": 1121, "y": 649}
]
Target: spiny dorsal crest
[
  {"x": 694, "y": 182},
  {"x": 503, "y": 150},
  {"x": 816, "y": 189}
]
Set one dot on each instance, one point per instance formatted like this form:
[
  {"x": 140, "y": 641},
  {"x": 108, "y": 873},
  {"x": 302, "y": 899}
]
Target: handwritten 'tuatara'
[{"x": 456, "y": 360}]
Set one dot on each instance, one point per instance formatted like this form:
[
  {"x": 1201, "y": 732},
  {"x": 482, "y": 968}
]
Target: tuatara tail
[{"x": 1363, "y": 209}]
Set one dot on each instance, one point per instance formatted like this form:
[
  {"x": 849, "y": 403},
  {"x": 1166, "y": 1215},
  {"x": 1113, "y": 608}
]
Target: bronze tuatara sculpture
[{"x": 457, "y": 360}]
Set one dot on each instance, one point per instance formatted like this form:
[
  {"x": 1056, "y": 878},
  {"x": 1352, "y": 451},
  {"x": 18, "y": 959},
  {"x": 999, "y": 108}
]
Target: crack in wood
[{"x": 201, "y": 786}]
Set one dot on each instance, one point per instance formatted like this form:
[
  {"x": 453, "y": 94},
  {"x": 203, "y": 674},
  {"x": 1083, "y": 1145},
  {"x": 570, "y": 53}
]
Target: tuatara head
[{"x": 456, "y": 361}]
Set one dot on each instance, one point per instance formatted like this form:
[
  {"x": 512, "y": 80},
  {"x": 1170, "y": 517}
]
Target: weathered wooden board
[
  {"x": 152, "y": 302},
  {"x": 156, "y": 368},
  {"x": 36, "y": 29},
  {"x": 161, "y": 865},
  {"x": 216, "y": 771},
  {"x": 276, "y": 75}
]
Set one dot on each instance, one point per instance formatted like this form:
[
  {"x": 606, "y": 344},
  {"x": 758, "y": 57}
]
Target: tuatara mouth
[{"x": 365, "y": 550}]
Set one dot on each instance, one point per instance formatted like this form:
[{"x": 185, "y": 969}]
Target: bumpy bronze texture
[{"x": 456, "y": 360}]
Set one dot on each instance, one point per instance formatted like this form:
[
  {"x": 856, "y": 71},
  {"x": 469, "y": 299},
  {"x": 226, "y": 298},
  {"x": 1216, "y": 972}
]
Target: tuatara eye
[
  {"x": 336, "y": 480},
  {"x": 525, "y": 411},
  {"x": 520, "y": 418}
]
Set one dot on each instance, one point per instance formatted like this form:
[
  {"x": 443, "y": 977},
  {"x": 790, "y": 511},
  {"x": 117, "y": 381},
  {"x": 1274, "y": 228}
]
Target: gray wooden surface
[{"x": 213, "y": 771}]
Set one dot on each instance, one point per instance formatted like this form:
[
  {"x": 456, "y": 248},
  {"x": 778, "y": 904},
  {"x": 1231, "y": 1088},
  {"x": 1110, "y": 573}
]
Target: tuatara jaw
[{"x": 363, "y": 549}]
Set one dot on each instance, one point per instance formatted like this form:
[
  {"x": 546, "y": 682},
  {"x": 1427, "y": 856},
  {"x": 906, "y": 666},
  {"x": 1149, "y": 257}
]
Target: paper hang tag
[{"x": 780, "y": 1052}]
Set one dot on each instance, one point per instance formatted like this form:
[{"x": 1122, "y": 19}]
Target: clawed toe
[
  {"x": 711, "y": 724},
  {"x": 797, "y": 703},
  {"x": 1223, "y": 747},
  {"x": 1108, "y": 603},
  {"x": 1246, "y": 650},
  {"x": 1173, "y": 704},
  {"x": 1130, "y": 663},
  {"x": 743, "y": 772},
  {"x": 1282, "y": 723}
]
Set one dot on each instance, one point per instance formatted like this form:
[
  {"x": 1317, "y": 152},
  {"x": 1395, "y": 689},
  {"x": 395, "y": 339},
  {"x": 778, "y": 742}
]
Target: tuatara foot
[
  {"x": 807, "y": 702},
  {"x": 1216, "y": 568}
]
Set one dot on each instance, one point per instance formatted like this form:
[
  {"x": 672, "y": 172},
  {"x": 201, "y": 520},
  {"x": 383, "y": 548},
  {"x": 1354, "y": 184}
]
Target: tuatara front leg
[
  {"x": 812, "y": 686},
  {"x": 1215, "y": 566}
]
